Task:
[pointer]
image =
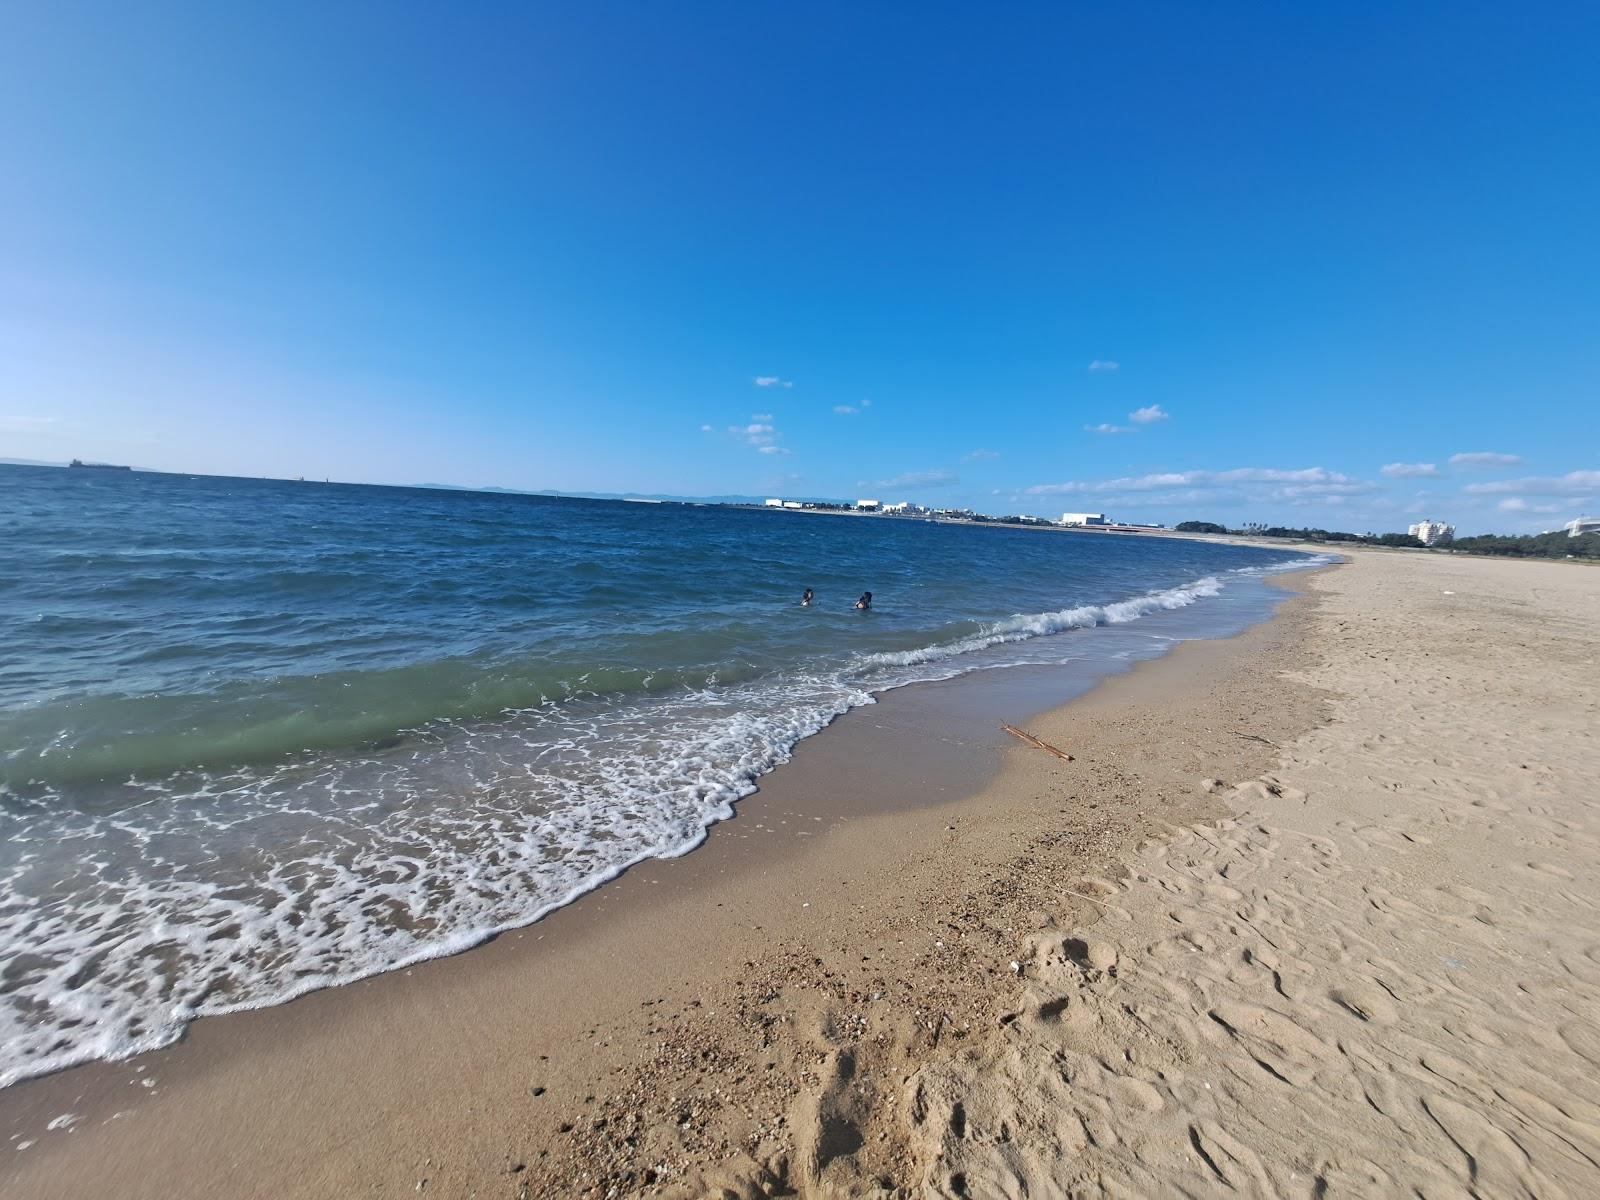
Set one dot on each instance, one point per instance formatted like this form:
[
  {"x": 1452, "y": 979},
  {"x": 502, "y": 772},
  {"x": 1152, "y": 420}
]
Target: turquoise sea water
[{"x": 260, "y": 737}]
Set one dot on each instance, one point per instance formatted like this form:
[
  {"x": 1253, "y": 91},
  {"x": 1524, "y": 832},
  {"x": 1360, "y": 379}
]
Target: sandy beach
[{"x": 1311, "y": 911}]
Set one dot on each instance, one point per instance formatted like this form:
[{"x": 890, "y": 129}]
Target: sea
[{"x": 262, "y": 737}]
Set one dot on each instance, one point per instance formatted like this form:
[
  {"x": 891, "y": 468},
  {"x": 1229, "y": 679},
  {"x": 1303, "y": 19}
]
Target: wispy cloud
[
  {"x": 761, "y": 416},
  {"x": 1148, "y": 415},
  {"x": 1409, "y": 470},
  {"x": 760, "y": 434},
  {"x": 772, "y": 381},
  {"x": 1300, "y": 483},
  {"x": 1573, "y": 483},
  {"x": 846, "y": 410},
  {"x": 917, "y": 479},
  {"x": 1516, "y": 504},
  {"x": 706, "y": 429},
  {"x": 1102, "y": 365},
  {"x": 1484, "y": 459},
  {"x": 980, "y": 456},
  {"x": 771, "y": 450}
]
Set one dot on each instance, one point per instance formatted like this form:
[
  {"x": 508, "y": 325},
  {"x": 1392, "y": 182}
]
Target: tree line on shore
[{"x": 1532, "y": 545}]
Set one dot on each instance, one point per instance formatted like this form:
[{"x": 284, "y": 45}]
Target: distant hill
[{"x": 29, "y": 462}]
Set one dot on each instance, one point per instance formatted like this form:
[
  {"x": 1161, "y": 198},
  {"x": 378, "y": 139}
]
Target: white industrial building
[
  {"x": 1429, "y": 532},
  {"x": 868, "y": 506},
  {"x": 1085, "y": 519},
  {"x": 1582, "y": 525}
]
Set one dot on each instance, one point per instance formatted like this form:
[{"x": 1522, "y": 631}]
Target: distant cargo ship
[{"x": 78, "y": 462}]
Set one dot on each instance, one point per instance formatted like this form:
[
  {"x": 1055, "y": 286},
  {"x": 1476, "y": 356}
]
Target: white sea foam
[
  {"x": 1305, "y": 562},
  {"x": 213, "y": 892},
  {"x": 1021, "y": 628}
]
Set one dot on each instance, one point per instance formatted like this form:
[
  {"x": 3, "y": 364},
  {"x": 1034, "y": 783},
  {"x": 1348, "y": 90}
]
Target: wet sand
[
  {"x": 430, "y": 1073},
  {"x": 928, "y": 960}
]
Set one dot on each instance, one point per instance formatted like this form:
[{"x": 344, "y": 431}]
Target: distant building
[
  {"x": 774, "y": 503},
  {"x": 1085, "y": 519},
  {"x": 868, "y": 506},
  {"x": 1429, "y": 532},
  {"x": 1582, "y": 525},
  {"x": 793, "y": 504}
]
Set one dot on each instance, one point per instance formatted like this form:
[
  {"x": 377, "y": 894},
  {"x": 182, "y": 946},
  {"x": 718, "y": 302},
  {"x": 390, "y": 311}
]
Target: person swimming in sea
[
  {"x": 865, "y": 603},
  {"x": 805, "y": 600}
]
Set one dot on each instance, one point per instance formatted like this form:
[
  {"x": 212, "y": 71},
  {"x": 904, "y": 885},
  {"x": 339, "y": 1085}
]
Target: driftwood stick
[
  {"x": 1255, "y": 738},
  {"x": 1024, "y": 736}
]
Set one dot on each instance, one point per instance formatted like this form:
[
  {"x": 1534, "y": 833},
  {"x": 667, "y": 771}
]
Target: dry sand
[
  {"x": 1380, "y": 976},
  {"x": 1366, "y": 964}
]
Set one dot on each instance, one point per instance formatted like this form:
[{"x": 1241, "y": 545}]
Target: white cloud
[
  {"x": 1573, "y": 483},
  {"x": 866, "y": 404},
  {"x": 980, "y": 456},
  {"x": 1139, "y": 416},
  {"x": 761, "y": 416},
  {"x": 705, "y": 429},
  {"x": 771, "y": 450},
  {"x": 1484, "y": 459},
  {"x": 918, "y": 479},
  {"x": 1409, "y": 470},
  {"x": 1519, "y": 505},
  {"x": 1236, "y": 488},
  {"x": 1176, "y": 497},
  {"x": 1305, "y": 478},
  {"x": 1101, "y": 365},
  {"x": 1313, "y": 491},
  {"x": 846, "y": 410},
  {"x": 758, "y": 433},
  {"x": 772, "y": 381}
]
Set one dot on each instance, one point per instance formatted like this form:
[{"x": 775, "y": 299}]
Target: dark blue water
[{"x": 259, "y": 737}]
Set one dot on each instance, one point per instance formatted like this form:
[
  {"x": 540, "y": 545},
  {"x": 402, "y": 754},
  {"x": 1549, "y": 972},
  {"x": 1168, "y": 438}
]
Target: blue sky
[{"x": 1302, "y": 263}]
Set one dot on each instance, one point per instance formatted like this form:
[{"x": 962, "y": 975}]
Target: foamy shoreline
[
  {"x": 499, "y": 884},
  {"x": 812, "y": 996}
]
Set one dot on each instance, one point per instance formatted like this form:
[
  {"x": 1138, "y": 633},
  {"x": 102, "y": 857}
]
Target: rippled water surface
[{"x": 260, "y": 737}]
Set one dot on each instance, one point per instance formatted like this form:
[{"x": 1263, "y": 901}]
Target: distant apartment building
[
  {"x": 1582, "y": 525},
  {"x": 1429, "y": 532},
  {"x": 774, "y": 503},
  {"x": 1085, "y": 519},
  {"x": 868, "y": 506}
]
